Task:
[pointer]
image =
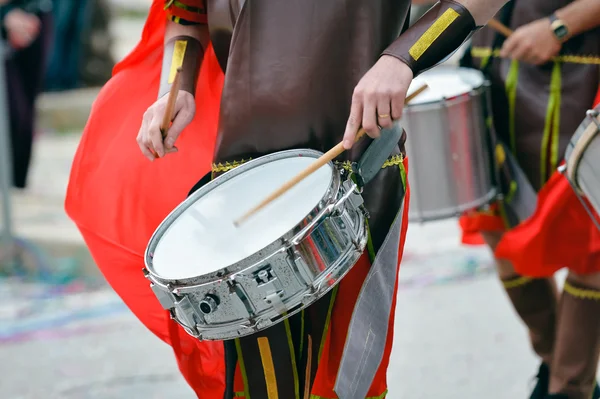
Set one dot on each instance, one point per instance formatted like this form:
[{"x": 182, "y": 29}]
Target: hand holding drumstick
[
  {"x": 157, "y": 135},
  {"x": 323, "y": 160},
  {"x": 533, "y": 43}
]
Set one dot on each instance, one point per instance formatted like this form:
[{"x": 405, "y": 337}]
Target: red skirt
[
  {"x": 117, "y": 197},
  {"x": 559, "y": 234}
]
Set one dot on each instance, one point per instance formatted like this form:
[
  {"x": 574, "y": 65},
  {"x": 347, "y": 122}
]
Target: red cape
[
  {"x": 117, "y": 197},
  {"x": 559, "y": 234}
]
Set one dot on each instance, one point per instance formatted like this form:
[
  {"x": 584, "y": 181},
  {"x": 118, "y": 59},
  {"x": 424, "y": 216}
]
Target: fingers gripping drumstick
[
  {"x": 170, "y": 109},
  {"x": 321, "y": 161}
]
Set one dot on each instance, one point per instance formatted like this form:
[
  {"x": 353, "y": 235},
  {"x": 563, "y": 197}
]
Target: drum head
[
  {"x": 446, "y": 82},
  {"x": 202, "y": 239}
]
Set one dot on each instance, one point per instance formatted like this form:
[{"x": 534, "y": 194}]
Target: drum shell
[
  {"x": 283, "y": 278},
  {"x": 585, "y": 173},
  {"x": 449, "y": 149}
]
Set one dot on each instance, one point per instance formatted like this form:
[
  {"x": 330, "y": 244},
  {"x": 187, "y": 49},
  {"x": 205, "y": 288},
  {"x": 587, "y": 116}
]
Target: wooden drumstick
[
  {"x": 321, "y": 161},
  {"x": 499, "y": 27},
  {"x": 170, "y": 110}
]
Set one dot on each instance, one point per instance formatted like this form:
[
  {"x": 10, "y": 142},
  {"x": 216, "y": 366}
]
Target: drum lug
[
  {"x": 593, "y": 115},
  {"x": 271, "y": 288},
  {"x": 189, "y": 315},
  {"x": 166, "y": 299},
  {"x": 243, "y": 304},
  {"x": 296, "y": 262},
  {"x": 191, "y": 331}
]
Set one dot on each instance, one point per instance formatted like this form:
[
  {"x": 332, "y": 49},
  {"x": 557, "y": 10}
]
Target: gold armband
[
  {"x": 185, "y": 52},
  {"x": 434, "y": 37}
]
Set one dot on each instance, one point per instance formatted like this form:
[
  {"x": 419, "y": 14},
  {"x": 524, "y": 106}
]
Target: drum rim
[
  {"x": 572, "y": 164},
  {"x": 314, "y": 216},
  {"x": 476, "y": 90}
]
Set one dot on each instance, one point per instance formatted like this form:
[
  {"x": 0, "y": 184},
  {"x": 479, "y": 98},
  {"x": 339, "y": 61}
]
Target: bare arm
[
  {"x": 186, "y": 38},
  {"x": 483, "y": 10},
  {"x": 580, "y": 16}
]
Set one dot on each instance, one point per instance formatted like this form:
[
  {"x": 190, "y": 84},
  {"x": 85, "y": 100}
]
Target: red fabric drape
[
  {"x": 559, "y": 234},
  {"x": 117, "y": 198}
]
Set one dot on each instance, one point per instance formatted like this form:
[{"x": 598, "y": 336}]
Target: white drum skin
[
  {"x": 240, "y": 280},
  {"x": 203, "y": 239}
]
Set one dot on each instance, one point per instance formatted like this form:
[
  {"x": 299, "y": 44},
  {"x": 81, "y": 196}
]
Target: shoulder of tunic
[{"x": 186, "y": 12}]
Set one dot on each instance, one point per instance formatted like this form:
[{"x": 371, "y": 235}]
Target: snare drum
[
  {"x": 582, "y": 166},
  {"x": 448, "y": 144},
  {"x": 221, "y": 282}
]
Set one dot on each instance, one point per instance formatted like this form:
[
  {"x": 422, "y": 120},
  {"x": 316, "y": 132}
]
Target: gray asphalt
[{"x": 455, "y": 336}]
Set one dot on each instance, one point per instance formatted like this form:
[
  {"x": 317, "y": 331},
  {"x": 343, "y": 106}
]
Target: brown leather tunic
[
  {"x": 290, "y": 72},
  {"x": 579, "y": 83}
]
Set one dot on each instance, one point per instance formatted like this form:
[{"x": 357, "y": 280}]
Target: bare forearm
[
  {"x": 483, "y": 10},
  {"x": 580, "y": 16}
]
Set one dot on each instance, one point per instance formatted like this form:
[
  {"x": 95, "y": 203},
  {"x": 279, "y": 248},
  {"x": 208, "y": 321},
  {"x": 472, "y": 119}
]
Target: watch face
[
  {"x": 561, "y": 31},
  {"x": 559, "y": 28}
]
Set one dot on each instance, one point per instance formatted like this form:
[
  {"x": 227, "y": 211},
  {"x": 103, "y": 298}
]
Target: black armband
[
  {"x": 185, "y": 52},
  {"x": 434, "y": 37}
]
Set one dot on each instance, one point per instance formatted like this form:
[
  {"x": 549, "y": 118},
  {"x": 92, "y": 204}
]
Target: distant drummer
[{"x": 544, "y": 77}]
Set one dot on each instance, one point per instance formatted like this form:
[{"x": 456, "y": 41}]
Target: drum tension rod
[{"x": 593, "y": 114}]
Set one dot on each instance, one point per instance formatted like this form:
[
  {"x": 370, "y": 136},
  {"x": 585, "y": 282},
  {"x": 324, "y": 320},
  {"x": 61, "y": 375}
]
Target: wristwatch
[{"x": 559, "y": 28}]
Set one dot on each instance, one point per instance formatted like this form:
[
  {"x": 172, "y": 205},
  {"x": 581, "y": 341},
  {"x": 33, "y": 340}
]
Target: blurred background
[{"x": 65, "y": 334}]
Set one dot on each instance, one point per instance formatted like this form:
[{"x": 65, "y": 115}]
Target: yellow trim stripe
[
  {"x": 183, "y": 6},
  {"x": 483, "y": 52},
  {"x": 177, "y": 59},
  {"x": 432, "y": 33},
  {"x": 503, "y": 215},
  {"x": 512, "y": 191},
  {"x": 370, "y": 247},
  {"x": 394, "y": 160},
  {"x": 238, "y": 348},
  {"x": 516, "y": 282},
  {"x": 382, "y": 396},
  {"x": 552, "y": 126},
  {"x": 403, "y": 176},
  {"x": 288, "y": 333},
  {"x": 581, "y": 293},
  {"x": 500, "y": 155},
  {"x": 268, "y": 367},
  {"x": 512, "y": 80}
]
